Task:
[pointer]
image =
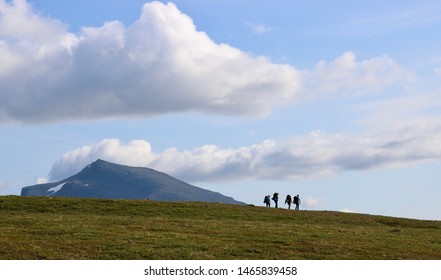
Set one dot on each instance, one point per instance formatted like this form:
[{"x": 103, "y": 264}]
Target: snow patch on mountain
[{"x": 56, "y": 189}]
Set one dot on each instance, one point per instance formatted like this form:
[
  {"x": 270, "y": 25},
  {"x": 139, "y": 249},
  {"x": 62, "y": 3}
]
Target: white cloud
[
  {"x": 19, "y": 22},
  {"x": 316, "y": 154},
  {"x": 42, "y": 180},
  {"x": 136, "y": 153},
  {"x": 312, "y": 202},
  {"x": 347, "y": 76},
  {"x": 157, "y": 65},
  {"x": 259, "y": 28}
]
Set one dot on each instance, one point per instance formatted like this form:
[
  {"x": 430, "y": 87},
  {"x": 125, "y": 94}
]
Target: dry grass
[{"x": 65, "y": 228}]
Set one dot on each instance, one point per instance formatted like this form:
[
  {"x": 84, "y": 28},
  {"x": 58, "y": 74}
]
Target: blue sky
[{"x": 338, "y": 101}]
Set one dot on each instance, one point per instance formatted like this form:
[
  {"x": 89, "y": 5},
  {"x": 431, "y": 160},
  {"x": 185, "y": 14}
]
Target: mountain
[{"x": 103, "y": 179}]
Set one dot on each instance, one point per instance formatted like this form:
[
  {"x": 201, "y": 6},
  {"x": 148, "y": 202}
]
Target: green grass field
[{"x": 66, "y": 228}]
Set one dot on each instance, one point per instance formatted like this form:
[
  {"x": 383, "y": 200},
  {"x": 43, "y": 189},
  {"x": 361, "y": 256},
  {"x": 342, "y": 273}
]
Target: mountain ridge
[{"x": 102, "y": 179}]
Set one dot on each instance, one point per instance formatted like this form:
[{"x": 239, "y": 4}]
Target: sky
[{"x": 338, "y": 101}]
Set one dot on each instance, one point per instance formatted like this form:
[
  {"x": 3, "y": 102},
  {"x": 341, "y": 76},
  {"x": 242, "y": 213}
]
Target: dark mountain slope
[{"x": 103, "y": 179}]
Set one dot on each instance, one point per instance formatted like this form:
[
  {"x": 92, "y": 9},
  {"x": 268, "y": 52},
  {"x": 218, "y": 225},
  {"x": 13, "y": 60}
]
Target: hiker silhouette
[
  {"x": 297, "y": 202},
  {"x": 276, "y": 199},
  {"x": 267, "y": 201},
  {"x": 288, "y": 201}
]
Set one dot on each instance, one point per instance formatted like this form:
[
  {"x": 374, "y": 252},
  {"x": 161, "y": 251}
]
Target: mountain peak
[
  {"x": 103, "y": 179},
  {"x": 100, "y": 162}
]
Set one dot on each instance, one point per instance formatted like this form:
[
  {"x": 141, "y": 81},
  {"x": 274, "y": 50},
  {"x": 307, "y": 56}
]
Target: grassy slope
[{"x": 64, "y": 228}]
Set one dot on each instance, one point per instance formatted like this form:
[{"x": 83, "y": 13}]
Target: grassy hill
[{"x": 66, "y": 228}]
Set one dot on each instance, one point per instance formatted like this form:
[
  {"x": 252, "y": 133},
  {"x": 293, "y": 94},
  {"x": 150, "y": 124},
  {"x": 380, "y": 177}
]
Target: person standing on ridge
[
  {"x": 297, "y": 202},
  {"x": 276, "y": 199},
  {"x": 267, "y": 201},
  {"x": 288, "y": 201}
]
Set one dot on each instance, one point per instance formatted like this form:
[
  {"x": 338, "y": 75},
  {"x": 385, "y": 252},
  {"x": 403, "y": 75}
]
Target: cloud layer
[
  {"x": 316, "y": 154},
  {"x": 162, "y": 64},
  {"x": 346, "y": 76},
  {"x": 158, "y": 64}
]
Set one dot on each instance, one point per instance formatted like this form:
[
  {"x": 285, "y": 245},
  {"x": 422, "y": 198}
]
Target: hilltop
[
  {"x": 102, "y": 179},
  {"x": 72, "y": 228}
]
